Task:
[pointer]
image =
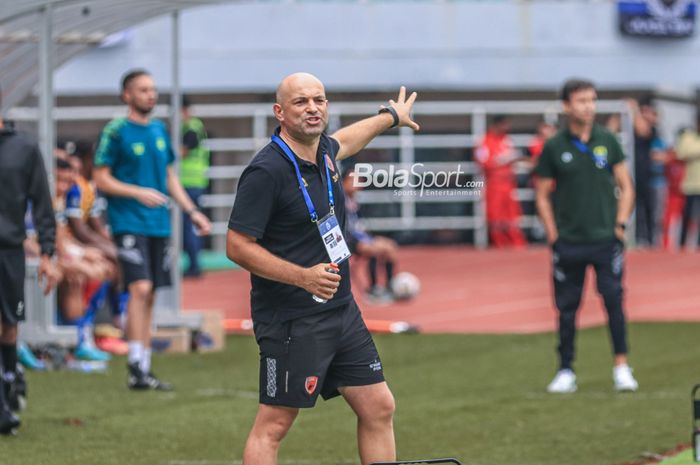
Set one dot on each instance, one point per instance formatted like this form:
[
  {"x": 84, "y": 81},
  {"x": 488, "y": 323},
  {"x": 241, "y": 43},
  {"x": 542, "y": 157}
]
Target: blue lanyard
[
  {"x": 307, "y": 198},
  {"x": 600, "y": 162}
]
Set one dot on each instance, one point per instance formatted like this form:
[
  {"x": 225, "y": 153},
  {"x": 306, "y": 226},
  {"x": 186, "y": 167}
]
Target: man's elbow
[{"x": 233, "y": 250}]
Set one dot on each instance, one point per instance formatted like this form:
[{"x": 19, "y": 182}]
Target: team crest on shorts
[{"x": 310, "y": 384}]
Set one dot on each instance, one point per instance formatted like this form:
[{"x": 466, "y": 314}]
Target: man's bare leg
[
  {"x": 374, "y": 407},
  {"x": 271, "y": 426}
]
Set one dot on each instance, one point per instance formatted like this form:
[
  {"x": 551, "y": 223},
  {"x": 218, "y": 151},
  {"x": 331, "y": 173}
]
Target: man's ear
[{"x": 277, "y": 110}]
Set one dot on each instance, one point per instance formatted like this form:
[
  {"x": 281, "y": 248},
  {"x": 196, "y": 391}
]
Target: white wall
[{"x": 447, "y": 45}]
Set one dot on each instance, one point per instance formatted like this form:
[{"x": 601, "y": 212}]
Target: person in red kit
[
  {"x": 496, "y": 155},
  {"x": 675, "y": 200},
  {"x": 544, "y": 132}
]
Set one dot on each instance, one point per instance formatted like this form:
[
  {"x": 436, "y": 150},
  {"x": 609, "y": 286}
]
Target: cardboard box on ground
[{"x": 209, "y": 338}]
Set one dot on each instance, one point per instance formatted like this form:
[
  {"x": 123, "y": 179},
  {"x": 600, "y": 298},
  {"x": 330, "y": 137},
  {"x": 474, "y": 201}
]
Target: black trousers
[
  {"x": 645, "y": 225},
  {"x": 691, "y": 212},
  {"x": 570, "y": 261}
]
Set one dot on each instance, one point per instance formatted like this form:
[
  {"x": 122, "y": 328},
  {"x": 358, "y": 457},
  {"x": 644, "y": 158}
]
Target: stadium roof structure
[
  {"x": 74, "y": 25},
  {"x": 37, "y": 36}
]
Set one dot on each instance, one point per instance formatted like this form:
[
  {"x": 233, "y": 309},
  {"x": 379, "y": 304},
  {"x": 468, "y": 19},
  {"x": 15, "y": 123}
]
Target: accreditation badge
[{"x": 333, "y": 239}]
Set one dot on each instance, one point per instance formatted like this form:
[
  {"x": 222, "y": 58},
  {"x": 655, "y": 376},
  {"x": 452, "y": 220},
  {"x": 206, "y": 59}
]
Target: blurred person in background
[
  {"x": 688, "y": 150},
  {"x": 134, "y": 169},
  {"x": 376, "y": 249},
  {"x": 674, "y": 170},
  {"x": 23, "y": 179},
  {"x": 496, "y": 155},
  {"x": 85, "y": 269},
  {"x": 586, "y": 226},
  {"x": 193, "y": 175},
  {"x": 646, "y": 135},
  {"x": 85, "y": 209},
  {"x": 544, "y": 132}
]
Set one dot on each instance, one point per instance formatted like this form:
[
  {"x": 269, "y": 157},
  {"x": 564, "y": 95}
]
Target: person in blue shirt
[{"x": 134, "y": 169}]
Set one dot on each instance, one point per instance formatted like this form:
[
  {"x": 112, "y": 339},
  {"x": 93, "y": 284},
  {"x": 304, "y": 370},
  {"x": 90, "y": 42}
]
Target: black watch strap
[
  {"x": 393, "y": 113},
  {"x": 623, "y": 225}
]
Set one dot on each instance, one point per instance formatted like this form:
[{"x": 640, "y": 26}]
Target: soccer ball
[{"x": 405, "y": 286}]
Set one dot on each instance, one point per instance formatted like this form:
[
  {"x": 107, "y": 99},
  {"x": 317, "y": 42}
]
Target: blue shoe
[
  {"x": 90, "y": 352},
  {"x": 26, "y": 357}
]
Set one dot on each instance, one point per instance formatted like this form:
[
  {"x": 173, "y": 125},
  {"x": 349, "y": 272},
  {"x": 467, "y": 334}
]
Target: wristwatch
[
  {"x": 393, "y": 114},
  {"x": 622, "y": 225}
]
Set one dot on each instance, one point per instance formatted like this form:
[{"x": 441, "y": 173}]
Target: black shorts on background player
[
  {"x": 145, "y": 258},
  {"x": 12, "y": 286},
  {"x": 316, "y": 354}
]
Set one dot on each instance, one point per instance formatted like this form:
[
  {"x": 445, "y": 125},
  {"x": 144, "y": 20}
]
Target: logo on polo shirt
[
  {"x": 566, "y": 157},
  {"x": 600, "y": 151},
  {"x": 160, "y": 144},
  {"x": 138, "y": 148}
]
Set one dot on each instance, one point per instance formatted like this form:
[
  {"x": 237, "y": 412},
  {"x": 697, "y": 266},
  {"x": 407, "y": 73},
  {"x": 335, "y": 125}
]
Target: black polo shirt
[
  {"x": 270, "y": 207},
  {"x": 584, "y": 199}
]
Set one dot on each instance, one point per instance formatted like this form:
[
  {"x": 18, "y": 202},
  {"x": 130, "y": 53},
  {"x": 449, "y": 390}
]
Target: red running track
[{"x": 491, "y": 291}]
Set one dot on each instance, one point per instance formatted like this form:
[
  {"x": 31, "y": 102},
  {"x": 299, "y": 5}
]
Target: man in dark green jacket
[{"x": 581, "y": 168}]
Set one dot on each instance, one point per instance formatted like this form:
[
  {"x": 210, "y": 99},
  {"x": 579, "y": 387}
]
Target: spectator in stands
[
  {"x": 675, "y": 198},
  {"x": 688, "y": 150},
  {"x": 377, "y": 249},
  {"x": 193, "y": 175},
  {"x": 84, "y": 212},
  {"x": 657, "y": 184},
  {"x": 23, "y": 180},
  {"x": 133, "y": 168},
  {"x": 645, "y": 118},
  {"x": 544, "y": 132},
  {"x": 496, "y": 156},
  {"x": 85, "y": 269}
]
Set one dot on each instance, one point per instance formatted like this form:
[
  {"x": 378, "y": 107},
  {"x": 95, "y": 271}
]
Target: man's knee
[
  {"x": 379, "y": 408},
  {"x": 141, "y": 290},
  {"x": 385, "y": 407},
  {"x": 273, "y": 423}
]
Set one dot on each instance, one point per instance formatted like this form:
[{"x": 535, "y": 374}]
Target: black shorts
[
  {"x": 316, "y": 354},
  {"x": 12, "y": 271},
  {"x": 145, "y": 258}
]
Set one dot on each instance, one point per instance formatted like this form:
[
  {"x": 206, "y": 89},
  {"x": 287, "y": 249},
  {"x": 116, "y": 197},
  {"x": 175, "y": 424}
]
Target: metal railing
[{"x": 406, "y": 142}]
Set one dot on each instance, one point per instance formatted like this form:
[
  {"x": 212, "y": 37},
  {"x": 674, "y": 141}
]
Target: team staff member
[
  {"x": 281, "y": 208},
  {"x": 133, "y": 167},
  {"x": 193, "y": 176},
  {"x": 585, "y": 163},
  {"x": 23, "y": 179}
]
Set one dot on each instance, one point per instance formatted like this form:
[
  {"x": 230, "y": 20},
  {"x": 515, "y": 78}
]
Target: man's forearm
[
  {"x": 112, "y": 186},
  {"x": 546, "y": 212},
  {"x": 355, "y": 137},
  {"x": 177, "y": 192},
  {"x": 259, "y": 261},
  {"x": 625, "y": 204}
]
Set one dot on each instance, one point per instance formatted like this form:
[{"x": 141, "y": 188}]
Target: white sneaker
[
  {"x": 623, "y": 379},
  {"x": 563, "y": 382}
]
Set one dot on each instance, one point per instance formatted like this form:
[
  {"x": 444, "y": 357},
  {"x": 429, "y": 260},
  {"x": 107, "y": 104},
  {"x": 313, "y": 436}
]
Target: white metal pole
[
  {"x": 47, "y": 136},
  {"x": 46, "y": 100},
  {"x": 175, "y": 132}
]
